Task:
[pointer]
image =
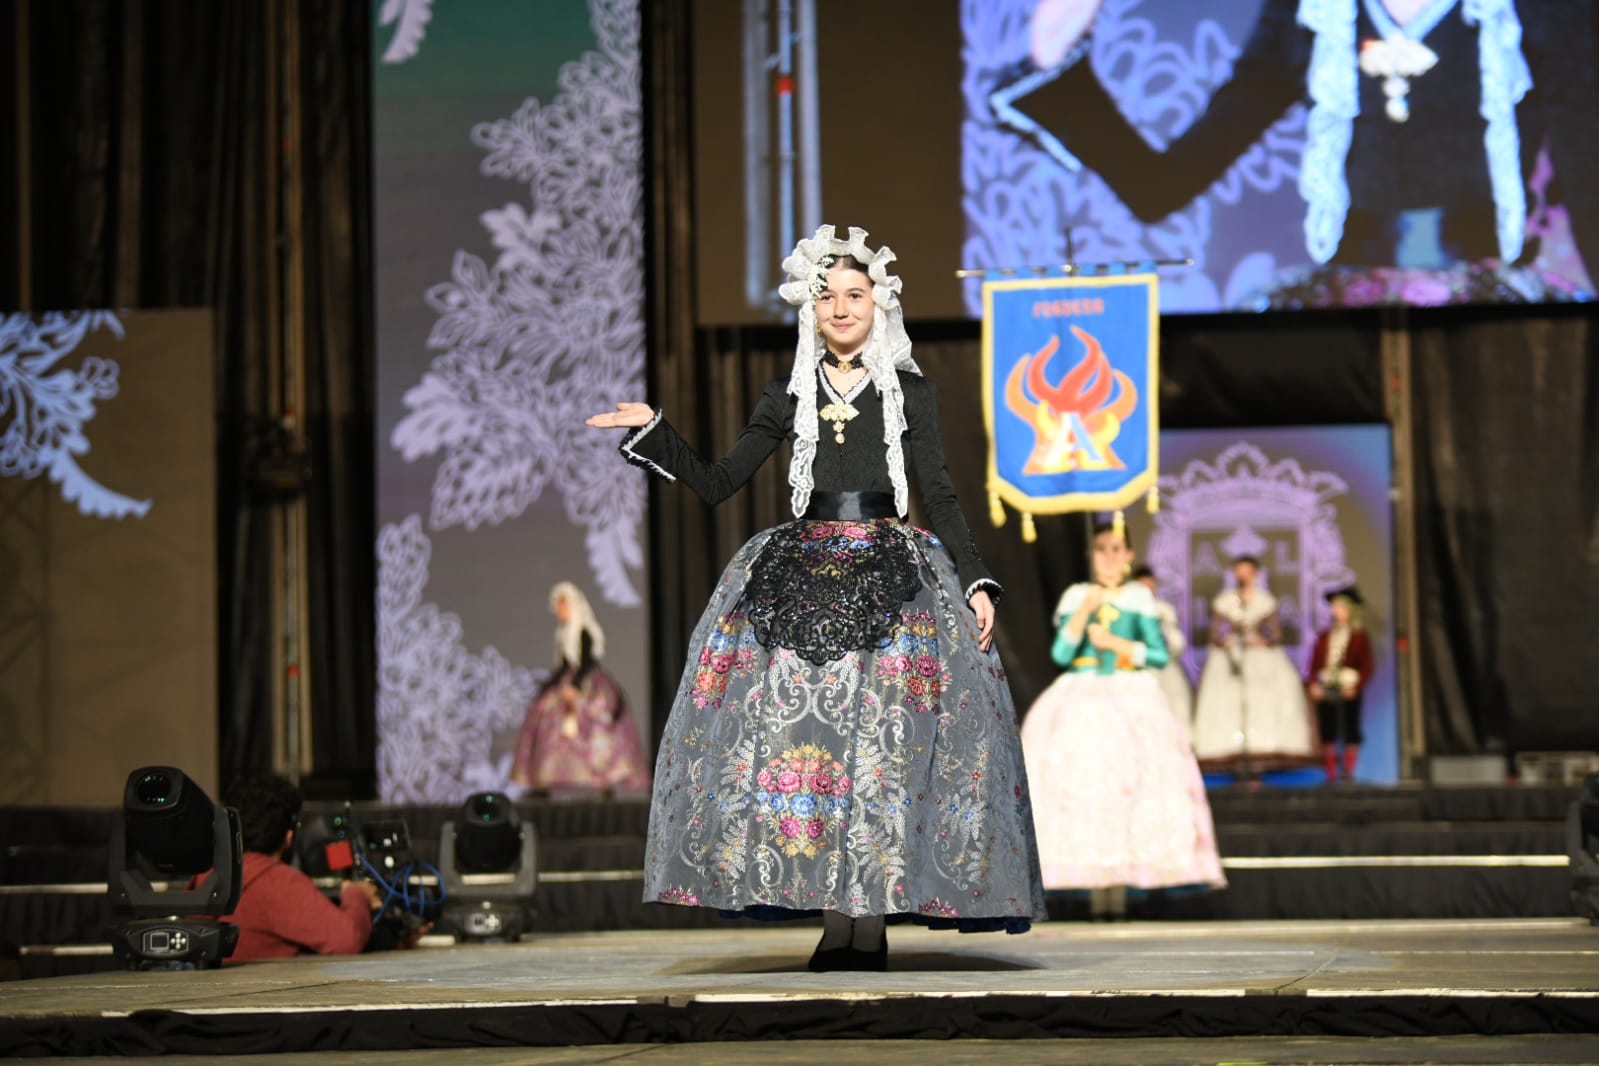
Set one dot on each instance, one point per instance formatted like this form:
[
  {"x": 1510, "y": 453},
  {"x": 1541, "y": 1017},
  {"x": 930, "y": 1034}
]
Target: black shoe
[
  {"x": 854, "y": 960},
  {"x": 832, "y": 959}
]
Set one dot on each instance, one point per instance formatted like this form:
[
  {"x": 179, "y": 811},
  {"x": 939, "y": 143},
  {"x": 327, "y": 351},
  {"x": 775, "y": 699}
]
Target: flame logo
[{"x": 1075, "y": 422}]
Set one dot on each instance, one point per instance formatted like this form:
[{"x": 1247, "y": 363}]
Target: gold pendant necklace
[{"x": 838, "y": 413}]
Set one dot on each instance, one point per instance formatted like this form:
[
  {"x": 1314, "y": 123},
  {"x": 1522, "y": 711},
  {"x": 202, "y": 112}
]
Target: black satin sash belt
[{"x": 850, "y": 506}]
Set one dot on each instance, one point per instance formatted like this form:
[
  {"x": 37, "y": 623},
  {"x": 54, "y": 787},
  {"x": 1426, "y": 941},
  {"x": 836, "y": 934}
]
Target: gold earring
[{"x": 1127, "y": 568}]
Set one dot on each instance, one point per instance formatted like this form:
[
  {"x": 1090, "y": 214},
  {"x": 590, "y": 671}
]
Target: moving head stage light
[
  {"x": 169, "y": 829},
  {"x": 489, "y": 863}
]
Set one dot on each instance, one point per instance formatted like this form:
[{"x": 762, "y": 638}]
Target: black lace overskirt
[{"x": 824, "y": 589}]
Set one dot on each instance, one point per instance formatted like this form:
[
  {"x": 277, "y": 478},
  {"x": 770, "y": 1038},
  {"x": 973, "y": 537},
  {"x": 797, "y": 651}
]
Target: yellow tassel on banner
[
  {"x": 996, "y": 510},
  {"x": 1029, "y": 532},
  {"x": 1118, "y": 525},
  {"x": 1152, "y": 502}
]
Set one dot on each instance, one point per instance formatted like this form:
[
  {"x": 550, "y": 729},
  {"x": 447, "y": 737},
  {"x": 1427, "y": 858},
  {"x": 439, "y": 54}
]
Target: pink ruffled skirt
[{"x": 1117, "y": 794}]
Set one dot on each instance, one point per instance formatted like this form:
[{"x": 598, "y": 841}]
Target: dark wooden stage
[{"x": 1365, "y": 985}]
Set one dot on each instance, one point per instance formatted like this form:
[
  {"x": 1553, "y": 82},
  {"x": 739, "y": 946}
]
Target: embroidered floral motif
[
  {"x": 679, "y": 895},
  {"x": 802, "y": 791},
  {"x": 731, "y": 651},
  {"x": 819, "y": 786},
  {"x": 827, "y": 588},
  {"x": 912, "y": 663}
]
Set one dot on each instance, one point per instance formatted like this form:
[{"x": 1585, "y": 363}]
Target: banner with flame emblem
[{"x": 1070, "y": 381}]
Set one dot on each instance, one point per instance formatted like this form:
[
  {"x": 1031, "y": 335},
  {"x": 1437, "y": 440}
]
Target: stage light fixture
[
  {"x": 1582, "y": 845},
  {"x": 488, "y": 860},
  {"x": 168, "y": 830}
]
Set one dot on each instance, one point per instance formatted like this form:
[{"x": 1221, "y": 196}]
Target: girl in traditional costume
[
  {"x": 843, "y": 739},
  {"x": 578, "y": 732},
  {"x": 1118, "y": 798},
  {"x": 1251, "y": 713}
]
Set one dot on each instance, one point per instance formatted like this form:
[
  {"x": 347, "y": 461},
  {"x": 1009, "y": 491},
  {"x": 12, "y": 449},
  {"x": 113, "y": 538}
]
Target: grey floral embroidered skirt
[{"x": 884, "y": 779}]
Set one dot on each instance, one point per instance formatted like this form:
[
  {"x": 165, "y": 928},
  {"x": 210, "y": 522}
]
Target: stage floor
[
  {"x": 1171, "y": 1051},
  {"x": 745, "y": 981}
]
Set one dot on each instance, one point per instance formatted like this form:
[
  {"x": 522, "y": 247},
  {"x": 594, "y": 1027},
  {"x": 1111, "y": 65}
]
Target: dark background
[{"x": 890, "y": 145}]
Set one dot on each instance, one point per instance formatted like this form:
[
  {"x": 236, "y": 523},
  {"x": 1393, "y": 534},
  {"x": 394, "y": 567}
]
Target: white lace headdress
[
  {"x": 569, "y": 634},
  {"x": 887, "y": 351}
]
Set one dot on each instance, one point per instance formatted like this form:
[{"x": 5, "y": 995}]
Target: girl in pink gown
[
  {"x": 1117, "y": 796},
  {"x": 578, "y": 732}
]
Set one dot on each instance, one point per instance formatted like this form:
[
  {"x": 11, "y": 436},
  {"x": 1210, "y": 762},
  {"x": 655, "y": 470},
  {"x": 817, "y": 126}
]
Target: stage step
[
  {"x": 1394, "y": 838},
  {"x": 1337, "y": 853}
]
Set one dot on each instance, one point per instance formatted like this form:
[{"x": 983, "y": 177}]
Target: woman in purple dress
[{"x": 578, "y": 732}]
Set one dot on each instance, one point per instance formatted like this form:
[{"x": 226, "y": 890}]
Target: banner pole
[{"x": 1071, "y": 268}]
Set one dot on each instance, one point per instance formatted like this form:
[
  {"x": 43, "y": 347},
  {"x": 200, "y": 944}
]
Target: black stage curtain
[
  {"x": 157, "y": 169},
  {"x": 335, "y": 43},
  {"x": 1507, "y": 515}
]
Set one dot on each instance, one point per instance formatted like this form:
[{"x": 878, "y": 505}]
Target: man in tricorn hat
[{"x": 1340, "y": 667}]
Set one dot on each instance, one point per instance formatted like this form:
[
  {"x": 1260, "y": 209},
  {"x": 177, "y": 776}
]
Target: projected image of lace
[
  {"x": 49, "y": 394},
  {"x": 552, "y": 324}
]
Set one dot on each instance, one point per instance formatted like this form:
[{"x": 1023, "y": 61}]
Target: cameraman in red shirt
[{"x": 281, "y": 912}]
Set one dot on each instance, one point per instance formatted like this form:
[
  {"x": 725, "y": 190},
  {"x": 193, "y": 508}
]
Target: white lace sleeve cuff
[
  {"x": 1140, "y": 653},
  {"x": 633, "y": 457},
  {"x": 994, "y": 589}
]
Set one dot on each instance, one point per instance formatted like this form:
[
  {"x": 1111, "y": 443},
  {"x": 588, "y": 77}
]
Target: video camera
[{"x": 332, "y": 848}]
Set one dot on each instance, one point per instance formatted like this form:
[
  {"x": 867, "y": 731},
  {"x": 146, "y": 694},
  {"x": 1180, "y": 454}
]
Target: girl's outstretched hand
[{"x": 626, "y": 416}]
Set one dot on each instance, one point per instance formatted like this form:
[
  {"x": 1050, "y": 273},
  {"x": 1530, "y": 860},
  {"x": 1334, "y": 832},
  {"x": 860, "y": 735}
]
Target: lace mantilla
[
  {"x": 824, "y": 589},
  {"x": 580, "y": 620},
  {"x": 1335, "y": 98},
  {"x": 887, "y": 352},
  {"x": 1333, "y": 83},
  {"x": 1505, "y": 80}
]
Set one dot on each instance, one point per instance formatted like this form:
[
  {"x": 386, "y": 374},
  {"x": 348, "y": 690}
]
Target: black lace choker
[{"x": 847, "y": 363}]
